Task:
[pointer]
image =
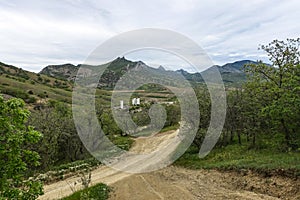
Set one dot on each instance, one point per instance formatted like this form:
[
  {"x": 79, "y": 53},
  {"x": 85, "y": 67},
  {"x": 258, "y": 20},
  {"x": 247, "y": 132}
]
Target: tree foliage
[
  {"x": 61, "y": 142},
  {"x": 15, "y": 155},
  {"x": 268, "y": 105}
]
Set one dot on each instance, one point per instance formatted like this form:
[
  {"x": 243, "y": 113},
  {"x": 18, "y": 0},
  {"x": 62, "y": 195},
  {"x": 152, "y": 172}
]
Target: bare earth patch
[{"x": 179, "y": 183}]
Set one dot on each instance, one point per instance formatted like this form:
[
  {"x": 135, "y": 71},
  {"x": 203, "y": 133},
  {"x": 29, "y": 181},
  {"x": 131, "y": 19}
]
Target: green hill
[{"x": 32, "y": 87}]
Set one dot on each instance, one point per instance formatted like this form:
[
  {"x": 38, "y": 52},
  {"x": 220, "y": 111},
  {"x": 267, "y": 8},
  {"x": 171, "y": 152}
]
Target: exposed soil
[{"x": 179, "y": 183}]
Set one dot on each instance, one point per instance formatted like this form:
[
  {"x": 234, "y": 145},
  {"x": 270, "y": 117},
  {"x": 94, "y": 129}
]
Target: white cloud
[{"x": 36, "y": 33}]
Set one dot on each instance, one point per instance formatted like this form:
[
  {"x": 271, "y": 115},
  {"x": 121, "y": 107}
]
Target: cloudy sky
[{"x": 36, "y": 33}]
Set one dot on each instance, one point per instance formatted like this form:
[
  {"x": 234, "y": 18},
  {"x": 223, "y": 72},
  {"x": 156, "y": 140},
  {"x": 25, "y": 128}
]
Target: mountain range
[
  {"x": 56, "y": 81},
  {"x": 232, "y": 73}
]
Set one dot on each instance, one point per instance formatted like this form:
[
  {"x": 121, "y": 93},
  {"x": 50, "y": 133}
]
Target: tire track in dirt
[
  {"x": 151, "y": 189},
  {"x": 174, "y": 183}
]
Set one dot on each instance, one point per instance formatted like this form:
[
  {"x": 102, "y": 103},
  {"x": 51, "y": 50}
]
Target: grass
[
  {"x": 8, "y": 84},
  {"x": 89, "y": 161},
  {"x": 123, "y": 142},
  {"x": 96, "y": 192},
  {"x": 21, "y": 89},
  {"x": 170, "y": 128},
  {"x": 237, "y": 157},
  {"x": 144, "y": 133}
]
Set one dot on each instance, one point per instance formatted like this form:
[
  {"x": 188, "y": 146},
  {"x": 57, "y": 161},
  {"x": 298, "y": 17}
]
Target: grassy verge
[
  {"x": 237, "y": 157},
  {"x": 96, "y": 192},
  {"x": 123, "y": 142},
  {"x": 170, "y": 128},
  {"x": 91, "y": 162}
]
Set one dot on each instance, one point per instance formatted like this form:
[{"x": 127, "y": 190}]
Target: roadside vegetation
[
  {"x": 96, "y": 192},
  {"x": 16, "y": 156},
  {"x": 239, "y": 157},
  {"x": 262, "y": 125}
]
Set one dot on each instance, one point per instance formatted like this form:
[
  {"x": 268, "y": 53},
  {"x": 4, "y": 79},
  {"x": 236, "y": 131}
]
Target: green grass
[
  {"x": 37, "y": 89},
  {"x": 155, "y": 96},
  {"x": 144, "y": 133},
  {"x": 123, "y": 142},
  {"x": 170, "y": 128},
  {"x": 97, "y": 192},
  {"x": 236, "y": 157},
  {"x": 41, "y": 91},
  {"x": 89, "y": 161}
]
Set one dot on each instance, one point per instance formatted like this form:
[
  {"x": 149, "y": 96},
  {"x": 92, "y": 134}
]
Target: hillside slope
[{"x": 32, "y": 87}]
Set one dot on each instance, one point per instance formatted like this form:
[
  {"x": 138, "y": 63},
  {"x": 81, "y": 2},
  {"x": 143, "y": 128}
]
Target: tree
[
  {"x": 173, "y": 115},
  {"x": 204, "y": 102},
  {"x": 15, "y": 155},
  {"x": 61, "y": 142},
  {"x": 233, "y": 123},
  {"x": 276, "y": 87},
  {"x": 47, "y": 122}
]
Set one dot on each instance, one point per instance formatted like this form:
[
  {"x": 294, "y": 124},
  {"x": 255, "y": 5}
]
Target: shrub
[
  {"x": 16, "y": 156},
  {"x": 97, "y": 192}
]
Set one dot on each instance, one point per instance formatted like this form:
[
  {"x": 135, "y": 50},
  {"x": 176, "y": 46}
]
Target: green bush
[
  {"x": 97, "y": 192},
  {"x": 15, "y": 153}
]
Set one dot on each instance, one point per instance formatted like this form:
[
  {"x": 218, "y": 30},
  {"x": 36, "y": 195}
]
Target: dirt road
[
  {"x": 174, "y": 182},
  {"x": 166, "y": 141}
]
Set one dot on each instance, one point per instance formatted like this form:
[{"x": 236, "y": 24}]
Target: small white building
[
  {"x": 133, "y": 101},
  {"x": 136, "y": 101},
  {"x": 122, "y": 104}
]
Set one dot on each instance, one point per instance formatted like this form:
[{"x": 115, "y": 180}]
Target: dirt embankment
[{"x": 179, "y": 183}]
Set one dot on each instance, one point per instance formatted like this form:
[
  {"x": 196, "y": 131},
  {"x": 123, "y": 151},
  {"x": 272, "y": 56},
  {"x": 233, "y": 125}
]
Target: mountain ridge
[{"x": 230, "y": 72}]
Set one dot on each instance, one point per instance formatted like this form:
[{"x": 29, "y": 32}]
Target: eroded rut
[{"x": 171, "y": 182}]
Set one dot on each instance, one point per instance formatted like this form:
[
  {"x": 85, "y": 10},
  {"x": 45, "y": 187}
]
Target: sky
[{"x": 36, "y": 33}]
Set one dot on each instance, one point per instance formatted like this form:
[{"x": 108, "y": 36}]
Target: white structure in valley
[
  {"x": 122, "y": 104},
  {"x": 136, "y": 101}
]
